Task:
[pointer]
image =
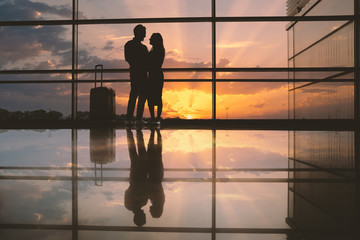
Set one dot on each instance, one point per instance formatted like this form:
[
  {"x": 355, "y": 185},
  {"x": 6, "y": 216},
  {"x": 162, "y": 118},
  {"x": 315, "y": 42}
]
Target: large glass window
[{"x": 224, "y": 59}]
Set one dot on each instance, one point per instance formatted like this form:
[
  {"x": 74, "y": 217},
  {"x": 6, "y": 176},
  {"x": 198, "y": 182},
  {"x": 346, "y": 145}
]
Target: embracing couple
[{"x": 146, "y": 76}]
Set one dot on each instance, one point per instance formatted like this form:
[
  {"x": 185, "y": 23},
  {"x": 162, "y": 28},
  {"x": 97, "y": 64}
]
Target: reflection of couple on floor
[
  {"x": 146, "y": 175},
  {"x": 143, "y": 86}
]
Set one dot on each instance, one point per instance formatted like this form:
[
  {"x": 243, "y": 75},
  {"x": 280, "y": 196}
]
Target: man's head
[
  {"x": 139, "y": 217},
  {"x": 140, "y": 32}
]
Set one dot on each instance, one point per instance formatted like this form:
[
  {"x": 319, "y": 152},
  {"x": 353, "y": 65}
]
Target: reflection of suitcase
[
  {"x": 102, "y": 100},
  {"x": 102, "y": 145},
  {"x": 102, "y": 149}
]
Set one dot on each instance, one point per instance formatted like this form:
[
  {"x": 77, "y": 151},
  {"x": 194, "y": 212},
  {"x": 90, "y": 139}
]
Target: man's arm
[{"x": 127, "y": 51}]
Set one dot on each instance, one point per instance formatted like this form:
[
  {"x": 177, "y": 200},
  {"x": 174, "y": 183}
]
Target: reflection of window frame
[{"x": 74, "y": 71}]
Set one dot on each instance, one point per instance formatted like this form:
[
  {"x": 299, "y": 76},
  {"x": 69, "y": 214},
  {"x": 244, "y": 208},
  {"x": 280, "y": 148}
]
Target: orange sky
[{"x": 188, "y": 45}]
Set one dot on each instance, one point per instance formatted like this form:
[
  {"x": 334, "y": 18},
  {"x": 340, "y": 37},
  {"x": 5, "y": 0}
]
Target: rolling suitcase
[{"x": 102, "y": 99}]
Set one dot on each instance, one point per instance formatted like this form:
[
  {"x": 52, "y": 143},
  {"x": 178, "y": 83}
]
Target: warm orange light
[{"x": 187, "y": 103}]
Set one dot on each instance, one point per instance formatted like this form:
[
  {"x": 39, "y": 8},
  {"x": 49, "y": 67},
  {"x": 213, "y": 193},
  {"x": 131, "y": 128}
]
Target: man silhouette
[
  {"x": 136, "y": 196},
  {"x": 136, "y": 54},
  {"x": 146, "y": 176}
]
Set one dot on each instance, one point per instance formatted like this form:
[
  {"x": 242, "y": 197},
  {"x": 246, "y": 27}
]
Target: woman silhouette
[{"x": 156, "y": 76}]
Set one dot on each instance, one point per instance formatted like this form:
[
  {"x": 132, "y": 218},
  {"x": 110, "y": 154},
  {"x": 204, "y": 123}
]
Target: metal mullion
[
  {"x": 178, "y": 19},
  {"x": 213, "y": 183},
  {"x": 357, "y": 175},
  {"x": 192, "y": 170},
  {"x": 74, "y": 183},
  {"x": 125, "y": 70},
  {"x": 357, "y": 59},
  {"x": 213, "y": 49},
  {"x": 173, "y": 80},
  {"x": 74, "y": 68},
  {"x": 146, "y": 229},
  {"x": 285, "y": 69},
  {"x": 341, "y": 179},
  {"x": 74, "y": 136},
  {"x": 357, "y": 111}
]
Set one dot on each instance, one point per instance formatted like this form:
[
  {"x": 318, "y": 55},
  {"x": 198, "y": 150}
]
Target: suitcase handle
[
  {"x": 101, "y": 67},
  {"x": 101, "y": 176}
]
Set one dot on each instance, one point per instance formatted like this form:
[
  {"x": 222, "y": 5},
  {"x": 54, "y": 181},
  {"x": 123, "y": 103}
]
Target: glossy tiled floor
[{"x": 178, "y": 184}]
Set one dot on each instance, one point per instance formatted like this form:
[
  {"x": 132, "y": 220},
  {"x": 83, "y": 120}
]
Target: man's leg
[
  {"x": 134, "y": 92},
  {"x": 140, "y": 106}
]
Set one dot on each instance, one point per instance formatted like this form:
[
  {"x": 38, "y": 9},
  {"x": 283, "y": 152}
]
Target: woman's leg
[
  {"x": 151, "y": 109},
  {"x": 159, "y": 110}
]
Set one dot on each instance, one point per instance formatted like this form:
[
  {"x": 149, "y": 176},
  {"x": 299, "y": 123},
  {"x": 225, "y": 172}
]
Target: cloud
[
  {"x": 259, "y": 104},
  {"x": 223, "y": 62},
  {"x": 22, "y": 10},
  {"x": 37, "y": 203},
  {"x": 109, "y": 46},
  {"x": 243, "y": 44},
  {"x": 23, "y": 47}
]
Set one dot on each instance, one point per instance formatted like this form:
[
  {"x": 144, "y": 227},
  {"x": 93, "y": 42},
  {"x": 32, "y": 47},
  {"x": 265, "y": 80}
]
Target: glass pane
[
  {"x": 238, "y": 8},
  {"x": 325, "y": 101},
  {"x": 36, "y": 77},
  {"x": 36, "y": 47},
  {"x": 334, "y": 47},
  {"x": 242, "y": 149},
  {"x": 251, "y": 100},
  {"x": 193, "y": 147},
  {"x": 144, "y": 9},
  {"x": 35, "y": 10},
  {"x": 333, "y": 7},
  {"x": 40, "y": 202},
  {"x": 36, "y": 148},
  {"x": 187, "y": 100},
  {"x": 107, "y": 45},
  {"x": 246, "y": 205},
  {"x": 251, "y": 44},
  {"x": 325, "y": 149},
  {"x": 36, "y": 101}
]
